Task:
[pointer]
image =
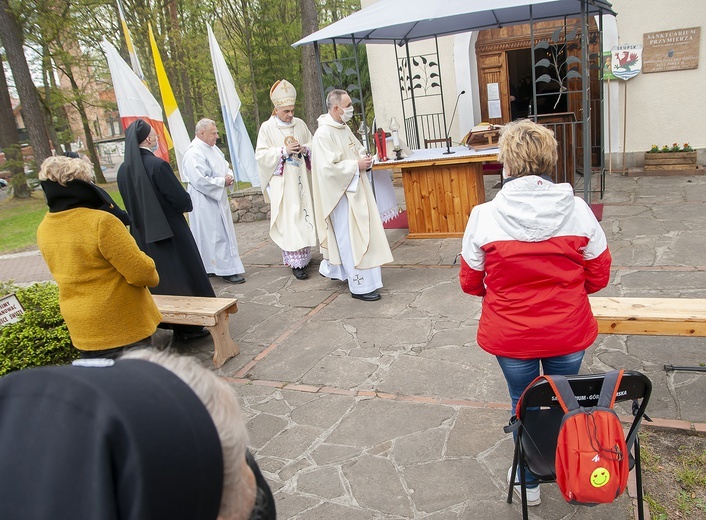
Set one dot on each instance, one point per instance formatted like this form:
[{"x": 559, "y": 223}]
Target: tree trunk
[
  {"x": 10, "y": 141},
  {"x": 32, "y": 112},
  {"x": 48, "y": 73},
  {"x": 90, "y": 146},
  {"x": 313, "y": 104}
]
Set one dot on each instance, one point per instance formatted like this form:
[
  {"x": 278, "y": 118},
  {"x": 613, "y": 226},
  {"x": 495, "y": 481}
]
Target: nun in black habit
[{"x": 156, "y": 202}]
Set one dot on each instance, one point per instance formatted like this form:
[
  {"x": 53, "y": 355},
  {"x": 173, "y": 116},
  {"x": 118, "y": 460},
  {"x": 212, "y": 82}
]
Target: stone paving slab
[{"x": 378, "y": 458}]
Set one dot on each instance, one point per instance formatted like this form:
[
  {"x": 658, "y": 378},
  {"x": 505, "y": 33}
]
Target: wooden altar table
[{"x": 441, "y": 190}]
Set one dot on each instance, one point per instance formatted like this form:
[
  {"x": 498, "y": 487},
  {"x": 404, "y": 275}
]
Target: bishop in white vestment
[
  {"x": 353, "y": 241},
  {"x": 282, "y": 154},
  {"x": 211, "y": 221}
]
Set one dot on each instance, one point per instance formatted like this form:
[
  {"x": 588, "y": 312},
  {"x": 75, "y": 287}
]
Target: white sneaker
[{"x": 533, "y": 498}]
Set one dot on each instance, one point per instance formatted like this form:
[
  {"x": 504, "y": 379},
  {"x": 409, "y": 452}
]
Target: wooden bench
[
  {"x": 211, "y": 313},
  {"x": 650, "y": 316}
]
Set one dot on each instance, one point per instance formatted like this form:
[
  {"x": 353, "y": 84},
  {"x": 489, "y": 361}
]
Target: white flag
[
  {"x": 241, "y": 150},
  {"x": 133, "y": 98}
]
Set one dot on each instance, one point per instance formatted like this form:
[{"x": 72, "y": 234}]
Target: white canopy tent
[
  {"x": 388, "y": 21},
  {"x": 402, "y": 21}
]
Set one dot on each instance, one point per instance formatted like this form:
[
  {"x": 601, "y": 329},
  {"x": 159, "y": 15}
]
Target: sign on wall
[
  {"x": 677, "y": 49},
  {"x": 626, "y": 61},
  {"x": 11, "y": 310}
]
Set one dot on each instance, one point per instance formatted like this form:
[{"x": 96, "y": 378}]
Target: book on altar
[{"x": 482, "y": 136}]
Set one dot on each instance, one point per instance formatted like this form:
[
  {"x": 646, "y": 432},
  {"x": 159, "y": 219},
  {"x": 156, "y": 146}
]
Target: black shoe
[
  {"x": 367, "y": 297},
  {"x": 191, "y": 336},
  {"x": 299, "y": 273},
  {"x": 211, "y": 275},
  {"x": 234, "y": 278}
]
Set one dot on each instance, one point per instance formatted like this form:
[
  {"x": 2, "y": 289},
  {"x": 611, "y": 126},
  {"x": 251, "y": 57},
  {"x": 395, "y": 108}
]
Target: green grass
[
  {"x": 674, "y": 470},
  {"x": 692, "y": 477},
  {"x": 19, "y": 219}
]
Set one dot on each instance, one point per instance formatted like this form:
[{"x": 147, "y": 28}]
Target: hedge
[{"x": 40, "y": 337}]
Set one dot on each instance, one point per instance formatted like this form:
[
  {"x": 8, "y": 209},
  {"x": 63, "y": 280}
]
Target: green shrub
[{"x": 41, "y": 336}]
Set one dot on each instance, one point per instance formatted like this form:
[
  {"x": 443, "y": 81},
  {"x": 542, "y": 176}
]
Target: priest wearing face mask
[
  {"x": 156, "y": 202},
  {"x": 353, "y": 241}
]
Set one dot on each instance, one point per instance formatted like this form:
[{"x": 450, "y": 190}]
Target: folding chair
[{"x": 539, "y": 419}]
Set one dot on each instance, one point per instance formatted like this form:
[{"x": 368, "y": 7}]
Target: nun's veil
[{"x": 144, "y": 207}]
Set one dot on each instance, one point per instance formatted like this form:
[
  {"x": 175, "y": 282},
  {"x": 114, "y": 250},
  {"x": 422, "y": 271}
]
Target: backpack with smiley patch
[{"x": 592, "y": 460}]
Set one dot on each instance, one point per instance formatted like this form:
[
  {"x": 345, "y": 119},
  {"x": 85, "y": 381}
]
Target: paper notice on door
[
  {"x": 494, "y": 110},
  {"x": 493, "y": 91}
]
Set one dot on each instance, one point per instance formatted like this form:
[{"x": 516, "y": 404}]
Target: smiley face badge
[{"x": 600, "y": 477}]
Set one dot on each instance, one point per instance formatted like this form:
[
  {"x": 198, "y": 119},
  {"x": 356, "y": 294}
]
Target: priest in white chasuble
[
  {"x": 283, "y": 159},
  {"x": 211, "y": 222},
  {"x": 353, "y": 241}
]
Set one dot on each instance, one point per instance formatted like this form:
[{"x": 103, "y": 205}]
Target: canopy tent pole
[
  {"x": 362, "y": 109},
  {"x": 533, "y": 108},
  {"x": 601, "y": 105},
  {"x": 443, "y": 107},
  {"x": 317, "y": 52},
  {"x": 411, "y": 90},
  {"x": 586, "y": 102},
  {"x": 401, "y": 83},
  {"x": 361, "y": 93}
]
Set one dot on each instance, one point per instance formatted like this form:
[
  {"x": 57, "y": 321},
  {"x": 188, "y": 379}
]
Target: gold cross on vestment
[
  {"x": 285, "y": 87},
  {"x": 351, "y": 143}
]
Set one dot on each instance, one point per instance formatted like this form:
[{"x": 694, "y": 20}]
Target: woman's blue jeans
[{"x": 519, "y": 373}]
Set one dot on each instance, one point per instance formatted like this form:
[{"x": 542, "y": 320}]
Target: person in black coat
[{"x": 156, "y": 202}]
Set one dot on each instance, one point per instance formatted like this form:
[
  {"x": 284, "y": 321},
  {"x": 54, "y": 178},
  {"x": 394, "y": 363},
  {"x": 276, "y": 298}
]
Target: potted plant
[{"x": 673, "y": 157}]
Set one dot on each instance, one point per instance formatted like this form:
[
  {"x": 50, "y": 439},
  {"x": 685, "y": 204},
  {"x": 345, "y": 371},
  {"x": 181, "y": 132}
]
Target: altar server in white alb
[
  {"x": 209, "y": 176},
  {"x": 353, "y": 241},
  {"x": 283, "y": 159}
]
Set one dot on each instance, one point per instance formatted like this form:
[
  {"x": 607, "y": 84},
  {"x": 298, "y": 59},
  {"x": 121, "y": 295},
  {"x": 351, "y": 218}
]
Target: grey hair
[
  {"x": 203, "y": 124},
  {"x": 334, "y": 98},
  {"x": 222, "y": 404}
]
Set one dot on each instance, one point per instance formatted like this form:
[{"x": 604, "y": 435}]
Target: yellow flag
[{"x": 179, "y": 136}]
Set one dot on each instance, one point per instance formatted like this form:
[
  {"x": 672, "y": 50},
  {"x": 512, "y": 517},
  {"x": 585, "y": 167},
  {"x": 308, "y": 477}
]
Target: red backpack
[{"x": 592, "y": 459}]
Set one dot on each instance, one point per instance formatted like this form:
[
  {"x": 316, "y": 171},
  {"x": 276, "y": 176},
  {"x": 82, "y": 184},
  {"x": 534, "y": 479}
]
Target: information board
[{"x": 676, "y": 49}]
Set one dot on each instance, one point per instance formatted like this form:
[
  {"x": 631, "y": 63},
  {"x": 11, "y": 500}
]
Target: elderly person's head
[
  {"x": 63, "y": 170},
  {"x": 151, "y": 435},
  {"x": 527, "y": 148},
  {"x": 239, "y": 487},
  {"x": 206, "y": 131}
]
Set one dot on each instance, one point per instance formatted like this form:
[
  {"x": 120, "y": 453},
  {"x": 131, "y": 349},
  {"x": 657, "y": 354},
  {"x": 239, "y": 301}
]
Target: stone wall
[{"x": 249, "y": 205}]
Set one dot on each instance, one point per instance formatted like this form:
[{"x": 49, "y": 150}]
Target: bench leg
[{"x": 224, "y": 346}]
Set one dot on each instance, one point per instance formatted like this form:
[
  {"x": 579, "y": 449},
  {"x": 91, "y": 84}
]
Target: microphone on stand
[{"x": 448, "y": 143}]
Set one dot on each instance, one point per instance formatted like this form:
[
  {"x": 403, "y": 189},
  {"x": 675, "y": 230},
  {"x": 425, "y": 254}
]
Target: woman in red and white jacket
[{"x": 534, "y": 253}]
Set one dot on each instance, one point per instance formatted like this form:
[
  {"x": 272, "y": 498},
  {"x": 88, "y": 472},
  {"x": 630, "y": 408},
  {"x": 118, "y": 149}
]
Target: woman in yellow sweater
[{"x": 101, "y": 273}]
